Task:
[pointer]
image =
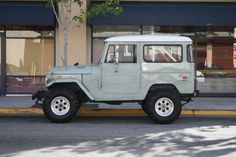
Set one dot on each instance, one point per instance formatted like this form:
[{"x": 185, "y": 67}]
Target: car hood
[{"x": 74, "y": 69}]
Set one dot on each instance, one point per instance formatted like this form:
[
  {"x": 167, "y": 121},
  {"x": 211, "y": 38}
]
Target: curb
[{"x": 117, "y": 112}]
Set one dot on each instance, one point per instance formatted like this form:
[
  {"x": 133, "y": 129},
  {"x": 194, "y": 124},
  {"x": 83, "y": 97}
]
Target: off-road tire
[
  {"x": 66, "y": 95},
  {"x": 144, "y": 106},
  {"x": 170, "y": 96}
]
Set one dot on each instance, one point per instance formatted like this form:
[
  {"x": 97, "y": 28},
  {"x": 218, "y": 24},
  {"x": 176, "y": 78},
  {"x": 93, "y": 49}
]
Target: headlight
[{"x": 49, "y": 77}]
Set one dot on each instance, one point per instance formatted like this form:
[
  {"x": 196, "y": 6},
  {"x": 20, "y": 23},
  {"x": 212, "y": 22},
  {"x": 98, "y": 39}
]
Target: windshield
[{"x": 99, "y": 61}]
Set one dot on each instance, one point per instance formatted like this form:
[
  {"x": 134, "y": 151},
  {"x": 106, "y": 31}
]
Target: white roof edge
[{"x": 149, "y": 38}]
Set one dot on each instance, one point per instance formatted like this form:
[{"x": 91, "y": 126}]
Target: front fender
[{"x": 65, "y": 80}]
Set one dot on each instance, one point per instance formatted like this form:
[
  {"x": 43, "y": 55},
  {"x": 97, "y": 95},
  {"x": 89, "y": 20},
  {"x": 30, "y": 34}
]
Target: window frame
[{"x": 180, "y": 61}]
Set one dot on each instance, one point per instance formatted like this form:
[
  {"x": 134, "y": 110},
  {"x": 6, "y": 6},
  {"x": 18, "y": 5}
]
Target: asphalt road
[{"x": 34, "y": 136}]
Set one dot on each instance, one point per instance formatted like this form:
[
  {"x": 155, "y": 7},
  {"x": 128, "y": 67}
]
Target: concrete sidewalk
[
  {"x": 207, "y": 106},
  {"x": 215, "y": 103}
]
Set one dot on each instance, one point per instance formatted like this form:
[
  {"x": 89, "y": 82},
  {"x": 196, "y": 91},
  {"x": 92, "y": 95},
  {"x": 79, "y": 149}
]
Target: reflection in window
[
  {"x": 216, "y": 58},
  {"x": 109, "y": 31},
  {"x": 29, "y": 53},
  {"x": 29, "y": 57},
  {"x": 162, "y": 53},
  {"x": 124, "y": 54}
]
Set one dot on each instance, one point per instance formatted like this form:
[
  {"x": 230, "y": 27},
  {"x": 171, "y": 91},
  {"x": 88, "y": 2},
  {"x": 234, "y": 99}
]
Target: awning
[
  {"x": 26, "y": 14},
  {"x": 172, "y": 14}
]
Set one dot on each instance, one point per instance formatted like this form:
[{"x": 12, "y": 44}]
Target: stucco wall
[{"x": 77, "y": 43}]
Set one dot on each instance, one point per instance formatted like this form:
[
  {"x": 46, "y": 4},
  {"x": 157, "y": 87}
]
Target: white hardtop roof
[{"x": 149, "y": 38}]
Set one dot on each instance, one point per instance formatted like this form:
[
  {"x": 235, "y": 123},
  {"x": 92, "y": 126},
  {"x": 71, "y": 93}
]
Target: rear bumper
[
  {"x": 196, "y": 93},
  {"x": 39, "y": 96}
]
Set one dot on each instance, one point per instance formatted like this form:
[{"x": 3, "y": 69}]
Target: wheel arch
[
  {"x": 72, "y": 84},
  {"x": 157, "y": 87}
]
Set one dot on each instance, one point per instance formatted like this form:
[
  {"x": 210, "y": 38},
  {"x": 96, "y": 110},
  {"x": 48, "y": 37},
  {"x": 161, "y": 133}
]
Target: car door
[{"x": 121, "y": 69}]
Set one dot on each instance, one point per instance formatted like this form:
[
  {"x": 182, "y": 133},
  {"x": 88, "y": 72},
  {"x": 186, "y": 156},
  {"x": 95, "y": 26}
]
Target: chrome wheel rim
[
  {"x": 60, "y": 106},
  {"x": 164, "y": 107}
]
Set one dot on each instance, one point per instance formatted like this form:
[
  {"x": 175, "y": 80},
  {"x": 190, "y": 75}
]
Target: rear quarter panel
[{"x": 169, "y": 73}]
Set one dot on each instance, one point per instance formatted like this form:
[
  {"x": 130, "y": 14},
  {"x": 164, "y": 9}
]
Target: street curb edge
[{"x": 110, "y": 112}]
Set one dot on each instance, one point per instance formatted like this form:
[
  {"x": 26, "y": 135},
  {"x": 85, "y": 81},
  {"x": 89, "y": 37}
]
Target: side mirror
[{"x": 116, "y": 63}]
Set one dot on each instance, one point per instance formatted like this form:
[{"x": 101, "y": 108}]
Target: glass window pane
[
  {"x": 110, "y": 57},
  {"x": 48, "y": 34},
  {"x": 109, "y": 31},
  {"x": 216, "y": 59},
  {"x": 124, "y": 54},
  {"x": 98, "y": 45},
  {"x": 163, "y": 53},
  {"x": 24, "y": 84},
  {"x": 23, "y": 34},
  {"x": 190, "y": 55},
  {"x": 29, "y": 56}
]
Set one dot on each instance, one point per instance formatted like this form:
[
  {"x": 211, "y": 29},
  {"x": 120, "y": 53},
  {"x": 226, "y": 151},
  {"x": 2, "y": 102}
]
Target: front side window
[
  {"x": 163, "y": 53},
  {"x": 124, "y": 54}
]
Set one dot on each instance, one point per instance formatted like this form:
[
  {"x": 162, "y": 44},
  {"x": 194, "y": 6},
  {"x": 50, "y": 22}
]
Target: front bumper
[{"x": 39, "y": 97}]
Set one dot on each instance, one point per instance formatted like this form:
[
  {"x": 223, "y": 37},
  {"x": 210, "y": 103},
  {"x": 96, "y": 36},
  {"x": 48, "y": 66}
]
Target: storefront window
[
  {"x": 29, "y": 56},
  {"x": 110, "y": 31}
]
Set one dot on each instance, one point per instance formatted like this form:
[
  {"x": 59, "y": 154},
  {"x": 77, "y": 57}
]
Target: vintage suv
[{"x": 157, "y": 71}]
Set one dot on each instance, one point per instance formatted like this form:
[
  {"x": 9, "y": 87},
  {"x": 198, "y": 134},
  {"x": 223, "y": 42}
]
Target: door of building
[{"x": 2, "y": 67}]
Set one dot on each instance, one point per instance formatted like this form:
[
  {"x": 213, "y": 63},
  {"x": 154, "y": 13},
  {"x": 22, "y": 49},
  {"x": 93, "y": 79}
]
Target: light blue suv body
[{"x": 131, "y": 68}]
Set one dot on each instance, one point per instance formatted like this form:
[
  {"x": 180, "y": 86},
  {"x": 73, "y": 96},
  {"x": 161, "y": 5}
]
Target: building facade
[{"x": 31, "y": 42}]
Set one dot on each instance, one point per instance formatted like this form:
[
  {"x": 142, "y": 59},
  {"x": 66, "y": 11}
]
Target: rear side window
[
  {"x": 163, "y": 53},
  {"x": 190, "y": 54}
]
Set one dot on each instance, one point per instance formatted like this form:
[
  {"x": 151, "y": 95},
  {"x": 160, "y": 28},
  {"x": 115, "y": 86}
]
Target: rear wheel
[
  {"x": 60, "y": 105},
  {"x": 163, "y": 107}
]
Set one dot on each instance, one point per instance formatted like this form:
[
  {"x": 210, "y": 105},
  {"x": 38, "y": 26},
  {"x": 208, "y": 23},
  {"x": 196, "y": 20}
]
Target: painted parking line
[{"x": 110, "y": 112}]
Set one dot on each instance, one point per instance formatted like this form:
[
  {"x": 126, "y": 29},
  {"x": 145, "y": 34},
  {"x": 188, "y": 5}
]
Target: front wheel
[
  {"x": 60, "y": 105},
  {"x": 163, "y": 107}
]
